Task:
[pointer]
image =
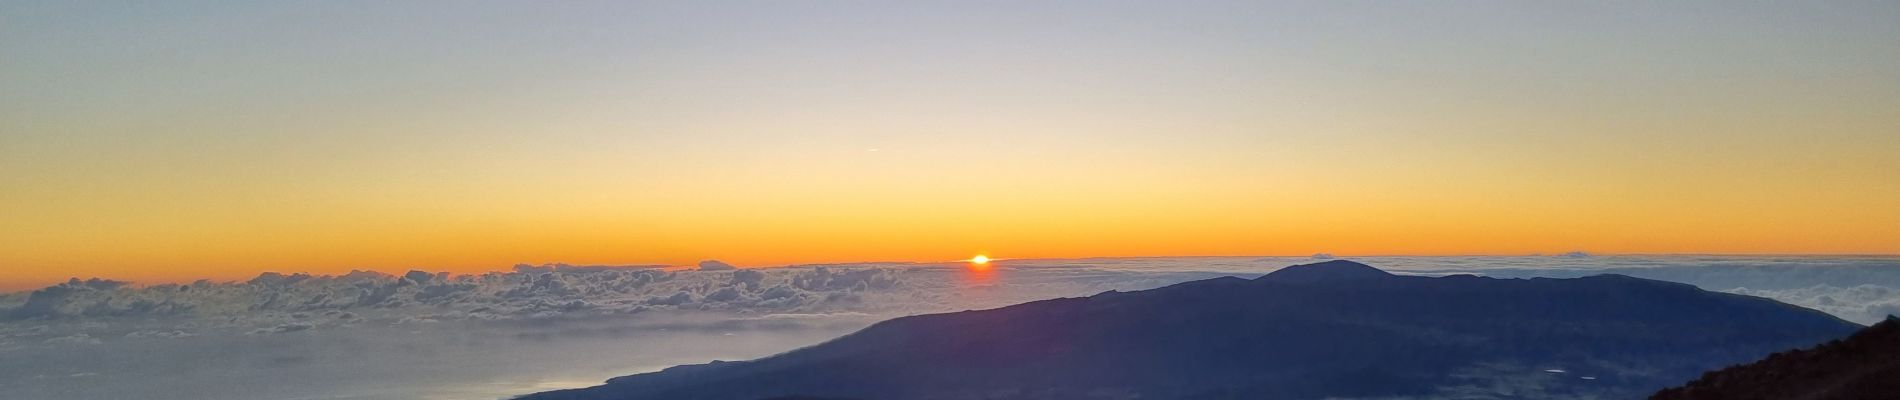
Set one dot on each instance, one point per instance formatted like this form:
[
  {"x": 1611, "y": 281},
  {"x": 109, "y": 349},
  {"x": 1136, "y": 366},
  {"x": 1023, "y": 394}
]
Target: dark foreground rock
[{"x": 1865, "y": 366}]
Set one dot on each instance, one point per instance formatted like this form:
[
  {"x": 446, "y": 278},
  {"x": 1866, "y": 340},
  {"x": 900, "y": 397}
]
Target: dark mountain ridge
[
  {"x": 1337, "y": 329},
  {"x": 1865, "y": 366}
]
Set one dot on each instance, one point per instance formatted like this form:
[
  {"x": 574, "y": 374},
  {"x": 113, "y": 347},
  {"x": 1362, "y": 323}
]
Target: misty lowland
[{"x": 949, "y": 200}]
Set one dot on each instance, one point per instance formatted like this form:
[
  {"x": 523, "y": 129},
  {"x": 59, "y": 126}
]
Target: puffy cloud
[
  {"x": 530, "y": 292},
  {"x": 58, "y": 301},
  {"x": 1858, "y": 289},
  {"x": 275, "y": 303},
  {"x": 678, "y": 298},
  {"x": 96, "y": 283},
  {"x": 725, "y": 294},
  {"x": 749, "y": 278},
  {"x": 825, "y": 279},
  {"x": 277, "y": 279},
  {"x": 421, "y": 277}
]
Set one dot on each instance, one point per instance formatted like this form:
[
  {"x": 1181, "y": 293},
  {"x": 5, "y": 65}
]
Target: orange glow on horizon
[{"x": 756, "y": 142}]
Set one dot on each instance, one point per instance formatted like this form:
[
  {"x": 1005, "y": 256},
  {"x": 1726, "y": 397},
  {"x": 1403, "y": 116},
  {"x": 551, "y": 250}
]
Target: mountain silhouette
[
  {"x": 1336, "y": 270},
  {"x": 1337, "y": 329},
  {"x": 1865, "y": 366}
]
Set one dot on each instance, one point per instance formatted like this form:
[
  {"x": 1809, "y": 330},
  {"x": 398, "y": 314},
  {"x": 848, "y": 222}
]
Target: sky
[{"x": 166, "y": 142}]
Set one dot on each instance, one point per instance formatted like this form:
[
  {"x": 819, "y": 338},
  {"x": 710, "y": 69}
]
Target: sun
[{"x": 980, "y": 259}]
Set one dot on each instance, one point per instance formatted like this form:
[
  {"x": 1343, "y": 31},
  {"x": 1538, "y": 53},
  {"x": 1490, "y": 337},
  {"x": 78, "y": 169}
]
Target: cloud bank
[{"x": 422, "y": 334}]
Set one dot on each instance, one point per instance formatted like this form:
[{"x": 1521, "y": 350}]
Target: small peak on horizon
[
  {"x": 715, "y": 265},
  {"x": 1331, "y": 270}
]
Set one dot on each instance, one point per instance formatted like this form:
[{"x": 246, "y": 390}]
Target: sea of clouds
[{"x": 369, "y": 335}]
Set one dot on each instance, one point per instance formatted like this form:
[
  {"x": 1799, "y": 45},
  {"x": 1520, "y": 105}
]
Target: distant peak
[{"x": 1335, "y": 270}]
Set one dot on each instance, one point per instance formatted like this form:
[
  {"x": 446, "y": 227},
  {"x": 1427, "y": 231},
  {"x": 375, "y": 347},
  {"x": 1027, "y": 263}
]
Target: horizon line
[{"x": 10, "y": 289}]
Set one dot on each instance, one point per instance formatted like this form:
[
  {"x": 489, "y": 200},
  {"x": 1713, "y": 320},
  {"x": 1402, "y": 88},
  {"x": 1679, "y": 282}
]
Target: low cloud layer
[
  {"x": 424, "y": 334},
  {"x": 1865, "y": 304},
  {"x": 280, "y": 302}
]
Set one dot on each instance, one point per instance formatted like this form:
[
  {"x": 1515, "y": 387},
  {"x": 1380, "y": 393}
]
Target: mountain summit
[
  {"x": 1337, "y": 329},
  {"x": 1331, "y": 271}
]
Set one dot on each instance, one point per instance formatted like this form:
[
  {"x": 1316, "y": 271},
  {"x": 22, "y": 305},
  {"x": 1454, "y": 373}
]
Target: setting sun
[{"x": 980, "y": 259}]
